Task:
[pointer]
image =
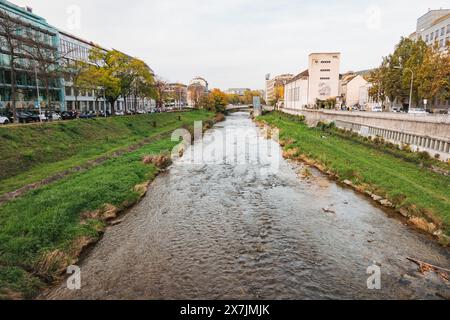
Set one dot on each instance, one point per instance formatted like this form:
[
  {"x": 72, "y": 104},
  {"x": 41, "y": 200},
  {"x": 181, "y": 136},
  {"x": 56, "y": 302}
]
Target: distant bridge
[{"x": 239, "y": 108}]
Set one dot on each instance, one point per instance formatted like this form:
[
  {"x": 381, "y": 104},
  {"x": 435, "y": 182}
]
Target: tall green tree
[
  {"x": 433, "y": 75},
  {"x": 392, "y": 79},
  {"x": 106, "y": 68}
]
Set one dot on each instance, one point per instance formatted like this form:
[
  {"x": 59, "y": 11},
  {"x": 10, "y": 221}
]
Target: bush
[
  {"x": 424, "y": 156},
  {"x": 326, "y": 126},
  {"x": 406, "y": 148}
]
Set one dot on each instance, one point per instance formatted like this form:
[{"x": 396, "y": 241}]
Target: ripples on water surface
[{"x": 222, "y": 230}]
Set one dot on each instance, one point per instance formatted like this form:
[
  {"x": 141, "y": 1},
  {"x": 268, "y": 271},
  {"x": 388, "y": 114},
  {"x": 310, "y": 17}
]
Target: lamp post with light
[{"x": 412, "y": 83}]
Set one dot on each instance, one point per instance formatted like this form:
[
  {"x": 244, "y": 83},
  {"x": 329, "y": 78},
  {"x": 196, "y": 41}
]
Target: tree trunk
[
  {"x": 113, "y": 107},
  {"x": 76, "y": 101},
  {"x": 47, "y": 92},
  {"x": 13, "y": 87}
]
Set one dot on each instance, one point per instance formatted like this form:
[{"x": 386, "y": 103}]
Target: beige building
[
  {"x": 197, "y": 88},
  {"x": 296, "y": 91},
  {"x": 434, "y": 28},
  {"x": 319, "y": 82},
  {"x": 354, "y": 90},
  {"x": 273, "y": 84}
]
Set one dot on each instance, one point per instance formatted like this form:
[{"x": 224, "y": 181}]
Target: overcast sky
[{"x": 234, "y": 43}]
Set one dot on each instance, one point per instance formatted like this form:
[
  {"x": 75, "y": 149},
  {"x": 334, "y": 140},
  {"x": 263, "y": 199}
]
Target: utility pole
[{"x": 37, "y": 90}]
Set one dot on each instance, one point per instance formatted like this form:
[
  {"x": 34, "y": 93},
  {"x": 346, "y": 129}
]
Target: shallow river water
[{"x": 242, "y": 224}]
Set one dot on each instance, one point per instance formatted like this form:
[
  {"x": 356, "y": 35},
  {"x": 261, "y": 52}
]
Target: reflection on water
[{"x": 243, "y": 230}]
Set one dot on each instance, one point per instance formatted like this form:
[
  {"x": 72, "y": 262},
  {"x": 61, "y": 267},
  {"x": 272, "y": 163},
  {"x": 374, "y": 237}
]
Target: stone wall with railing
[{"x": 422, "y": 133}]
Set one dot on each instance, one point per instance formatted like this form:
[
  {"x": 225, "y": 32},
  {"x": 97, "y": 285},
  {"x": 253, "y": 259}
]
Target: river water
[{"x": 242, "y": 224}]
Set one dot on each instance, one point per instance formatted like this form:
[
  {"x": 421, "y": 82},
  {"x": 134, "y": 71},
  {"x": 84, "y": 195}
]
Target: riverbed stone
[
  {"x": 386, "y": 203},
  {"x": 376, "y": 197},
  {"x": 348, "y": 182},
  {"x": 404, "y": 212}
]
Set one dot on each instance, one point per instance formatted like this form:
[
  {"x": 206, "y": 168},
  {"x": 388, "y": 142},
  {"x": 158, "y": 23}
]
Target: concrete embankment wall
[{"x": 429, "y": 133}]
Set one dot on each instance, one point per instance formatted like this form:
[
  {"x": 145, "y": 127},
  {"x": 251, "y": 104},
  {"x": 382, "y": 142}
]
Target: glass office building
[{"x": 27, "y": 25}]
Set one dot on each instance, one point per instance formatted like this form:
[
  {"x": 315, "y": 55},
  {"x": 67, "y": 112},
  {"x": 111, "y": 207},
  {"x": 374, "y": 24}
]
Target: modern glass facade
[
  {"x": 67, "y": 48},
  {"x": 29, "y": 26}
]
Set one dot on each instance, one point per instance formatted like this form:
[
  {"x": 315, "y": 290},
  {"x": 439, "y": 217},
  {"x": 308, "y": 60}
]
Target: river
[{"x": 235, "y": 228}]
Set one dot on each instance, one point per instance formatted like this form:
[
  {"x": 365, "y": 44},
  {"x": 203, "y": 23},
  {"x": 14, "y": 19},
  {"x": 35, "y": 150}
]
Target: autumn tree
[
  {"x": 196, "y": 94},
  {"x": 105, "y": 67},
  {"x": 215, "y": 101},
  {"x": 433, "y": 76},
  {"x": 144, "y": 82},
  {"x": 234, "y": 99},
  {"x": 248, "y": 96},
  {"x": 161, "y": 95},
  {"x": 392, "y": 80},
  {"x": 76, "y": 71}
]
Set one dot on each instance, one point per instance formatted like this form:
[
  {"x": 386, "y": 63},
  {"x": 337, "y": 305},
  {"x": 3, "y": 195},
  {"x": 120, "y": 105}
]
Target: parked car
[
  {"x": 87, "y": 116},
  {"x": 4, "y": 120},
  {"x": 397, "y": 109},
  {"x": 27, "y": 117},
  {"x": 377, "y": 108},
  {"x": 56, "y": 116},
  {"x": 120, "y": 113},
  {"x": 68, "y": 115},
  {"x": 417, "y": 111},
  {"x": 43, "y": 117}
]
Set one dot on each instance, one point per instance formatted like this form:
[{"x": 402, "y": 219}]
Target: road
[{"x": 230, "y": 227}]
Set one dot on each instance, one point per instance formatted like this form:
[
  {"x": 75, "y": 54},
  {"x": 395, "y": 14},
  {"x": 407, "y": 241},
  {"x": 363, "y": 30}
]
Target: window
[
  {"x": 441, "y": 43},
  {"x": 448, "y": 29},
  {"x": 426, "y": 38},
  {"x": 442, "y": 31},
  {"x": 325, "y": 70},
  {"x": 436, "y": 34},
  {"x": 324, "y": 78},
  {"x": 325, "y": 61}
]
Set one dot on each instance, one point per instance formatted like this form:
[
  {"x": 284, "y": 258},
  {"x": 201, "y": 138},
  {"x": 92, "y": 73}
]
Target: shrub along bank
[{"x": 409, "y": 182}]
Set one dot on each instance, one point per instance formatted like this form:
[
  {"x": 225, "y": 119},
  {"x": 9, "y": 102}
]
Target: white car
[
  {"x": 377, "y": 109},
  {"x": 43, "y": 117},
  {"x": 4, "y": 120},
  {"x": 56, "y": 116},
  {"x": 417, "y": 111}
]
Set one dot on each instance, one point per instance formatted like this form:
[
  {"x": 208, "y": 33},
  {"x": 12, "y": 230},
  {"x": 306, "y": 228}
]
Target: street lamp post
[
  {"x": 412, "y": 83},
  {"x": 37, "y": 91}
]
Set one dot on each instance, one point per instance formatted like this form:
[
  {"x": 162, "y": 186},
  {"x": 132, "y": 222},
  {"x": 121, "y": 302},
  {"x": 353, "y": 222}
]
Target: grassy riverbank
[
  {"x": 44, "y": 231},
  {"x": 34, "y": 152},
  {"x": 413, "y": 189}
]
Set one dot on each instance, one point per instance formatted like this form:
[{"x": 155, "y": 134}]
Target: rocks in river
[
  {"x": 328, "y": 210},
  {"x": 376, "y": 198},
  {"x": 159, "y": 161},
  {"x": 404, "y": 212},
  {"x": 348, "y": 183},
  {"x": 386, "y": 203}
]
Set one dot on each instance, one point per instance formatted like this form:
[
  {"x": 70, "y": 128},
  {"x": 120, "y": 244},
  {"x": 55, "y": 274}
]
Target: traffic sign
[{"x": 257, "y": 103}]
